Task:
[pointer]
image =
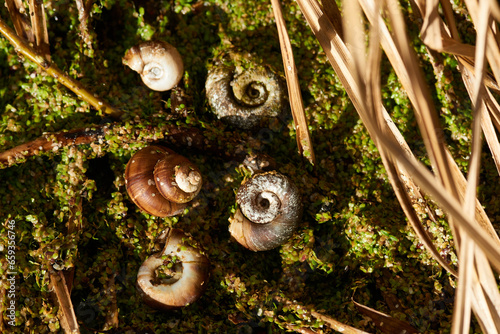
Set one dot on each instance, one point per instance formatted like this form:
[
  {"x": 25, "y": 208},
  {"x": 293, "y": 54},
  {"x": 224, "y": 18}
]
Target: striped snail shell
[
  {"x": 176, "y": 276},
  {"x": 159, "y": 64},
  {"x": 245, "y": 93},
  {"x": 269, "y": 211},
  {"x": 160, "y": 181}
]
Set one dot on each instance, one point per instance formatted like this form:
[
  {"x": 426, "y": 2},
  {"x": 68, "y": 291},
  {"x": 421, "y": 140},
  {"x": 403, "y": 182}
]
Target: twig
[
  {"x": 305, "y": 313},
  {"x": 384, "y": 322},
  {"x": 120, "y": 134},
  {"x": 83, "y": 16},
  {"x": 304, "y": 142},
  {"x": 19, "y": 19},
  {"x": 39, "y": 26},
  {"x": 22, "y": 47},
  {"x": 67, "y": 317}
]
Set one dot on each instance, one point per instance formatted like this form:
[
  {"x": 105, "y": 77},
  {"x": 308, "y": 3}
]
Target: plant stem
[{"x": 22, "y": 47}]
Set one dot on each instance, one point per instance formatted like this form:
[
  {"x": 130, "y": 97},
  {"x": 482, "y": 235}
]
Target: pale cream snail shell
[
  {"x": 175, "y": 277},
  {"x": 160, "y": 181},
  {"x": 159, "y": 64},
  {"x": 269, "y": 211},
  {"x": 244, "y": 93}
]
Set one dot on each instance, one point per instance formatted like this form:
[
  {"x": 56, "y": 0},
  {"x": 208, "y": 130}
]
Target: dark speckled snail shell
[
  {"x": 176, "y": 276},
  {"x": 269, "y": 211},
  {"x": 160, "y": 181},
  {"x": 244, "y": 94},
  {"x": 159, "y": 64}
]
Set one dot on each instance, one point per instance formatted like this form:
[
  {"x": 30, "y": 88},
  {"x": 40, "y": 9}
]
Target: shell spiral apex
[
  {"x": 159, "y": 64},
  {"x": 244, "y": 94},
  {"x": 161, "y": 182},
  {"x": 270, "y": 210}
]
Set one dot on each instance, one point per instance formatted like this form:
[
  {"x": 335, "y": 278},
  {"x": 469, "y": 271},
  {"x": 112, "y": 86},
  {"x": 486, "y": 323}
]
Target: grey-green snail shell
[
  {"x": 175, "y": 277},
  {"x": 269, "y": 211},
  {"x": 245, "y": 95}
]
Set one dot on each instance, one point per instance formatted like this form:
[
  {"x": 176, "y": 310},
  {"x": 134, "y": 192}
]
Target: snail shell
[
  {"x": 245, "y": 94},
  {"x": 185, "y": 279},
  {"x": 159, "y": 64},
  {"x": 161, "y": 182},
  {"x": 269, "y": 211}
]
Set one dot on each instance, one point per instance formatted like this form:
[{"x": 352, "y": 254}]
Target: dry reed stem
[
  {"x": 22, "y": 47},
  {"x": 332, "y": 11},
  {"x": 464, "y": 295},
  {"x": 83, "y": 17},
  {"x": 384, "y": 322},
  {"x": 404, "y": 77},
  {"x": 304, "y": 313},
  {"x": 19, "y": 18},
  {"x": 340, "y": 59},
  {"x": 39, "y": 27},
  {"x": 304, "y": 142},
  {"x": 460, "y": 202},
  {"x": 67, "y": 315}
]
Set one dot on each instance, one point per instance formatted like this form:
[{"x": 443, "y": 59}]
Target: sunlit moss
[{"x": 353, "y": 241}]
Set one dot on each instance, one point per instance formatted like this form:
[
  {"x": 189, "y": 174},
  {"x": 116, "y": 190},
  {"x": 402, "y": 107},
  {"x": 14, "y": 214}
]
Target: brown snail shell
[
  {"x": 269, "y": 211},
  {"x": 160, "y": 181},
  {"x": 159, "y": 64},
  {"x": 244, "y": 93},
  {"x": 185, "y": 280}
]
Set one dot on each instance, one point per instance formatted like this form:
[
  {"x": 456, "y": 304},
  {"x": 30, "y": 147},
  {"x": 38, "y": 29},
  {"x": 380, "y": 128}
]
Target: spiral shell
[
  {"x": 185, "y": 279},
  {"x": 161, "y": 182},
  {"x": 269, "y": 211},
  {"x": 159, "y": 64},
  {"x": 245, "y": 94}
]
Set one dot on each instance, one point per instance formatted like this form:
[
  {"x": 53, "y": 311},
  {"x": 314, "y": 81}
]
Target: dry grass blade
[
  {"x": 384, "y": 322},
  {"x": 468, "y": 290},
  {"x": 340, "y": 59},
  {"x": 464, "y": 294},
  {"x": 305, "y": 314},
  {"x": 67, "y": 317},
  {"x": 492, "y": 51},
  {"x": 493, "y": 109},
  {"x": 83, "y": 16},
  {"x": 333, "y": 13},
  {"x": 495, "y": 9},
  {"x": 19, "y": 19},
  {"x": 462, "y": 304},
  {"x": 395, "y": 58},
  {"x": 304, "y": 142},
  {"x": 481, "y": 216},
  {"x": 424, "y": 108},
  {"x": 437, "y": 36},
  {"x": 434, "y": 33},
  {"x": 491, "y": 137},
  {"x": 39, "y": 26},
  {"x": 337, "y": 325},
  {"x": 489, "y": 287}
]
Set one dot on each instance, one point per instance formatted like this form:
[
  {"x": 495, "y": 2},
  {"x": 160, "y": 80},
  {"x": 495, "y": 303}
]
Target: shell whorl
[
  {"x": 160, "y": 181},
  {"x": 244, "y": 96},
  {"x": 159, "y": 64},
  {"x": 269, "y": 211},
  {"x": 188, "y": 275}
]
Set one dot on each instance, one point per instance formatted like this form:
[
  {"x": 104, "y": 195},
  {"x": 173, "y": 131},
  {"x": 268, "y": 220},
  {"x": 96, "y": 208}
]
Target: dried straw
[{"x": 358, "y": 68}]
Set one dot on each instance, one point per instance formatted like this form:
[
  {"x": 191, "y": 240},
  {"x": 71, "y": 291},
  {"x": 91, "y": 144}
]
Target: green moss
[{"x": 353, "y": 240}]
